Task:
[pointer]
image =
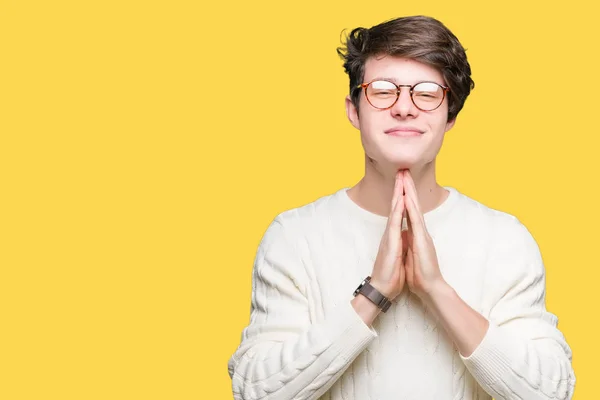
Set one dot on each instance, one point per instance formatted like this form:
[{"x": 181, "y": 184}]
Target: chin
[
  {"x": 396, "y": 160},
  {"x": 403, "y": 162},
  {"x": 396, "y": 164}
]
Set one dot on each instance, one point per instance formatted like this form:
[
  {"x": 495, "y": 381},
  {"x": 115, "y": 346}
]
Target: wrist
[
  {"x": 373, "y": 294},
  {"x": 365, "y": 309},
  {"x": 438, "y": 292},
  {"x": 382, "y": 288}
]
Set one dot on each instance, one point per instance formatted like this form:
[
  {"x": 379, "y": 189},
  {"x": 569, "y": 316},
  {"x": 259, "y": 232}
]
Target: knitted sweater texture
[{"x": 305, "y": 341}]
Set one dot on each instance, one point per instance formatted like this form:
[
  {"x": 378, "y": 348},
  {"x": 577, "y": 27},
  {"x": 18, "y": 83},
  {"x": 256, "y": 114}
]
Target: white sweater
[{"x": 305, "y": 341}]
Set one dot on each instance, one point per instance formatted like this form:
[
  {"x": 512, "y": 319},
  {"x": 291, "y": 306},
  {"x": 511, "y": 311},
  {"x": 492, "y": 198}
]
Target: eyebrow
[
  {"x": 385, "y": 78},
  {"x": 391, "y": 79}
]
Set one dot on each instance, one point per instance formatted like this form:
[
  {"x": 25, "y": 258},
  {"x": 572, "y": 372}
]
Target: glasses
[{"x": 426, "y": 96}]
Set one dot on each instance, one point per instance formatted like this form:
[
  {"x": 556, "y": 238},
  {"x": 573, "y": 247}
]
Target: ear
[
  {"x": 352, "y": 113},
  {"x": 450, "y": 124}
]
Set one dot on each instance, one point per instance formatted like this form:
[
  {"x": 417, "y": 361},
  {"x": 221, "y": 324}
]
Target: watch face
[{"x": 357, "y": 291}]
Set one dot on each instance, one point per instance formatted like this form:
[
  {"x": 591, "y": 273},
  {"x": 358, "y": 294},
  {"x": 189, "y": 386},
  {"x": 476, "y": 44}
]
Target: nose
[{"x": 404, "y": 106}]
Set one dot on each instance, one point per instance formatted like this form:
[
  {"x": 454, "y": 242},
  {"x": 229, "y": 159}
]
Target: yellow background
[{"x": 145, "y": 146}]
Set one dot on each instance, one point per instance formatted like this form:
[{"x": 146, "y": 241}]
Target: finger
[
  {"x": 415, "y": 222},
  {"x": 409, "y": 267},
  {"x": 409, "y": 235},
  {"x": 398, "y": 189},
  {"x": 396, "y": 217},
  {"x": 411, "y": 190},
  {"x": 405, "y": 246}
]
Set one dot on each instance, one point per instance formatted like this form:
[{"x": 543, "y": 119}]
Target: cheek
[
  {"x": 439, "y": 122},
  {"x": 440, "y": 127},
  {"x": 369, "y": 137},
  {"x": 370, "y": 122},
  {"x": 370, "y": 131}
]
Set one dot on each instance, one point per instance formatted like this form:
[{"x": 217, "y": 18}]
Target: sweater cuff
[
  {"x": 349, "y": 332},
  {"x": 493, "y": 357}
]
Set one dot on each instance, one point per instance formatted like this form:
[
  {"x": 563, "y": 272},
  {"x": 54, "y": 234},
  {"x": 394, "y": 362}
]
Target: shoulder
[
  {"x": 513, "y": 261},
  {"x": 286, "y": 238},
  {"x": 500, "y": 223},
  {"x": 311, "y": 216},
  {"x": 506, "y": 235},
  {"x": 513, "y": 250},
  {"x": 291, "y": 225}
]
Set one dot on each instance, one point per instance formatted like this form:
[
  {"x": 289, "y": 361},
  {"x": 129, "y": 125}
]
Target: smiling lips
[{"x": 404, "y": 131}]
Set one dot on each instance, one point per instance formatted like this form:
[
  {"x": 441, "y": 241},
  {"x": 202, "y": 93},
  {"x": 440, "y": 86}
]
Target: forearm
[
  {"x": 365, "y": 309},
  {"x": 465, "y": 326},
  {"x": 506, "y": 363},
  {"x": 284, "y": 365}
]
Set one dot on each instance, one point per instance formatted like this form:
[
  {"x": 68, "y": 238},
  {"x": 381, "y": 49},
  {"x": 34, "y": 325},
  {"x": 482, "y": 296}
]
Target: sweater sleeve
[
  {"x": 523, "y": 354},
  {"x": 284, "y": 353}
]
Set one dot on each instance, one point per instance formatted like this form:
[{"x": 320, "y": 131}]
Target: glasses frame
[{"x": 364, "y": 86}]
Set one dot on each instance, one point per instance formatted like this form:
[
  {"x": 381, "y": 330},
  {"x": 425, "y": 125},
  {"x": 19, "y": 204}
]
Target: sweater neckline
[{"x": 431, "y": 217}]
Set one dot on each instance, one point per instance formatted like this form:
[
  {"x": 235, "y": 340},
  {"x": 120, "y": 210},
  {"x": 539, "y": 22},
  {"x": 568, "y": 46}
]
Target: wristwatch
[{"x": 366, "y": 289}]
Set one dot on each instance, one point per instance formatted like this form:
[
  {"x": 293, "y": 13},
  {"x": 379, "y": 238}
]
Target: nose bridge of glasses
[{"x": 399, "y": 92}]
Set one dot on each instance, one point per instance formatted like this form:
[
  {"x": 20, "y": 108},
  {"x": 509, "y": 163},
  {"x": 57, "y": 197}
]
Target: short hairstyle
[{"x": 420, "y": 38}]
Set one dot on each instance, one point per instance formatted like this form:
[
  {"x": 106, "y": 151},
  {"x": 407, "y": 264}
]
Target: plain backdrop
[{"x": 145, "y": 146}]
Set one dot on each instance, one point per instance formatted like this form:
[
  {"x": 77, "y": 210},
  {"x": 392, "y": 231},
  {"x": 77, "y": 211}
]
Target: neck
[{"x": 375, "y": 190}]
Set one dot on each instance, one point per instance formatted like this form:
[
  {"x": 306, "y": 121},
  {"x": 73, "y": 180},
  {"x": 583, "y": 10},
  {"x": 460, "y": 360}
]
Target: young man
[{"x": 453, "y": 304}]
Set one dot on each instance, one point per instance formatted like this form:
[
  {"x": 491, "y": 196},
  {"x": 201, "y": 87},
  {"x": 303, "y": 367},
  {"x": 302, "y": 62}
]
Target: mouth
[{"x": 404, "y": 132}]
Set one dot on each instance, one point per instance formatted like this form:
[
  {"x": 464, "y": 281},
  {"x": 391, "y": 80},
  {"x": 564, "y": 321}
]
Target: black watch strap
[{"x": 367, "y": 290}]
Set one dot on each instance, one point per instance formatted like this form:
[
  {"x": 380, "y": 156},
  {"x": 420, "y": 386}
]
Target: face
[{"x": 402, "y": 136}]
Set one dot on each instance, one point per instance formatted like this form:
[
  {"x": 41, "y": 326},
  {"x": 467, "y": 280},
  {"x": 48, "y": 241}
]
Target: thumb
[{"x": 405, "y": 245}]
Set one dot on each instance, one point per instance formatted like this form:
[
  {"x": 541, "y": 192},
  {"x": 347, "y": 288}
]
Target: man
[{"x": 399, "y": 288}]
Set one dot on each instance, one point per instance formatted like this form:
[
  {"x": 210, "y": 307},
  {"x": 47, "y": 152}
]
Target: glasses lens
[
  {"x": 428, "y": 95},
  {"x": 381, "y": 94}
]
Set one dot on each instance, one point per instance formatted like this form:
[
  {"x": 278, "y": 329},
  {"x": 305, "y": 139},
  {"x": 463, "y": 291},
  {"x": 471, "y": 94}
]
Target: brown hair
[{"x": 420, "y": 38}]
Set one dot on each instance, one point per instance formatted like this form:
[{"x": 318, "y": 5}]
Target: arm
[
  {"x": 465, "y": 326},
  {"x": 283, "y": 353},
  {"x": 518, "y": 353}
]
